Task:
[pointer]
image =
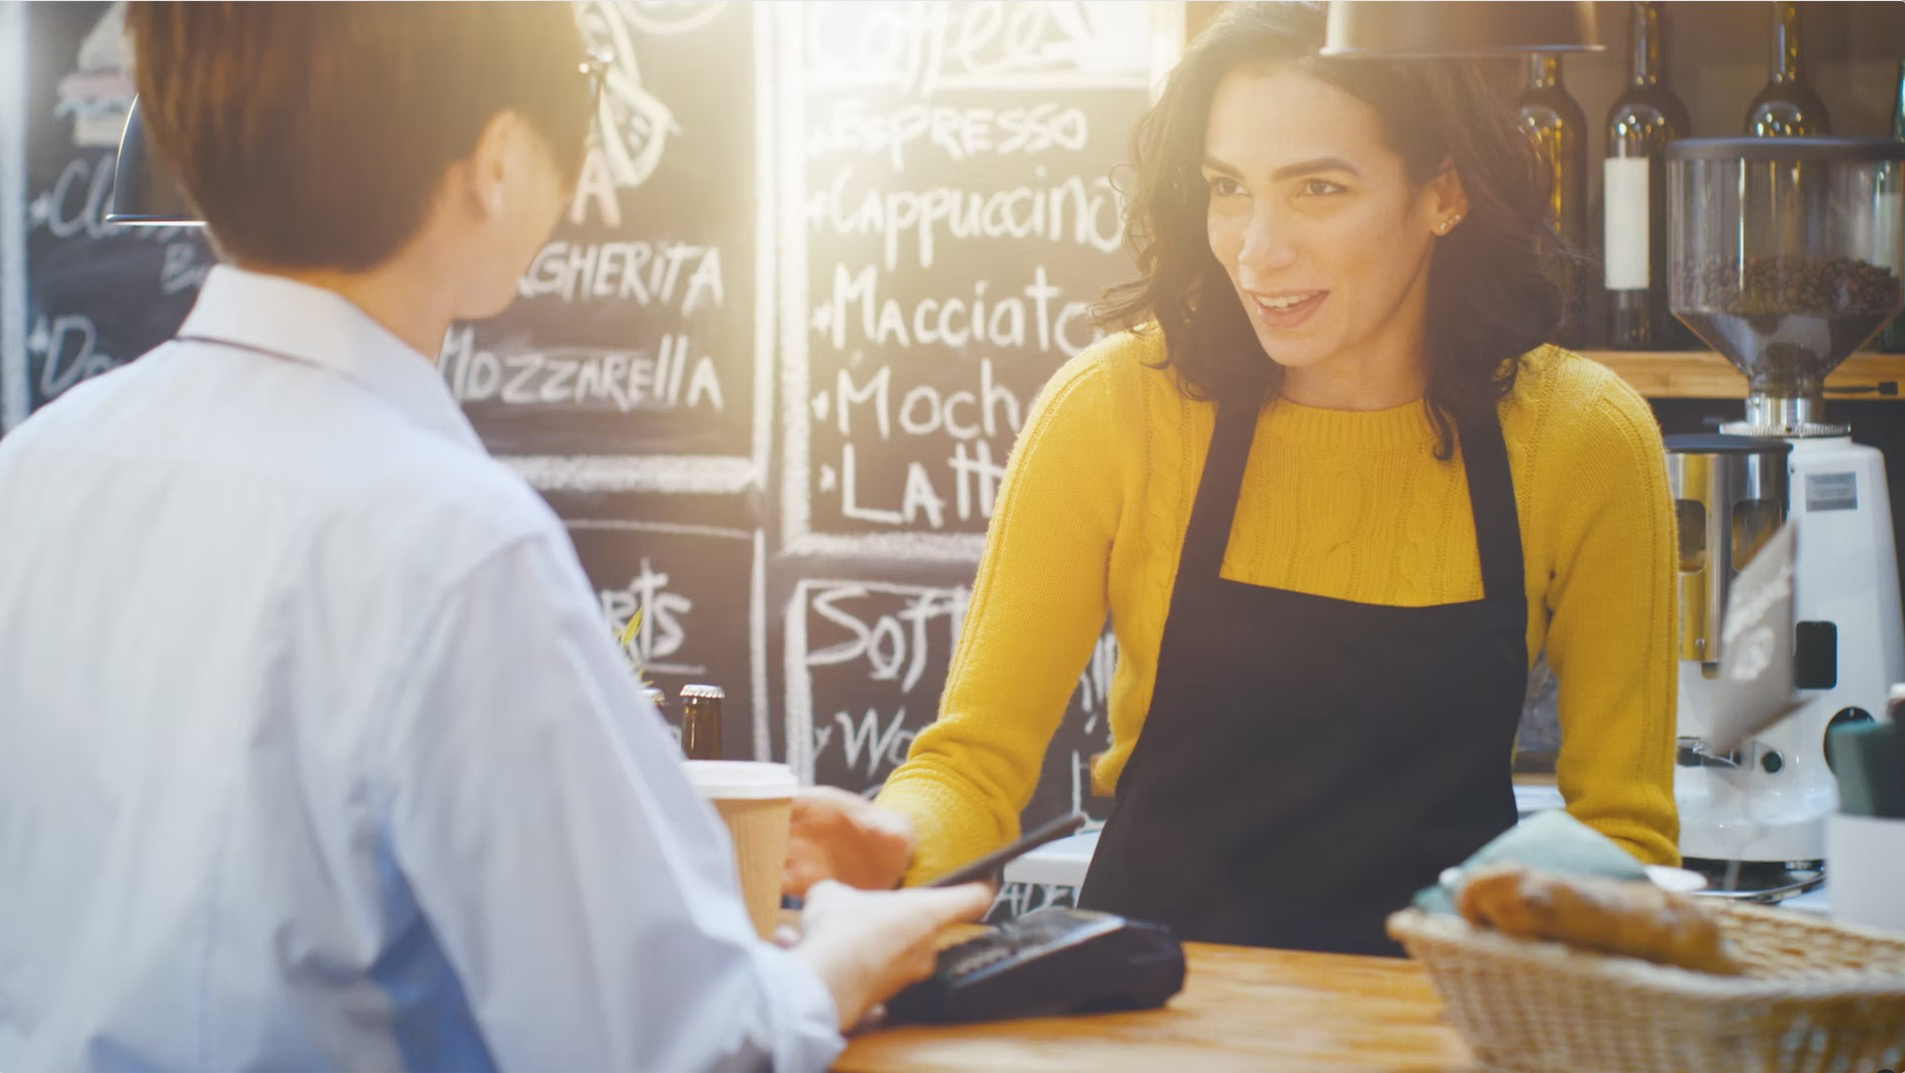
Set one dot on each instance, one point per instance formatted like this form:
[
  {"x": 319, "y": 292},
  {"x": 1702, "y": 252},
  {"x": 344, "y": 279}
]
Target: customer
[{"x": 313, "y": 750}]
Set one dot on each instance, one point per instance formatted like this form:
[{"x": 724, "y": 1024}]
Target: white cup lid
[{"x": 741, "y": 779}]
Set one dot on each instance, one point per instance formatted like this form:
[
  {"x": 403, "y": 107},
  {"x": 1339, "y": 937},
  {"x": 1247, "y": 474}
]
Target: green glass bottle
[
  {"x": 1634, "y": 195},
  {"x": 1787, "y": 107},
  {"x": 1558, "y": 126}
]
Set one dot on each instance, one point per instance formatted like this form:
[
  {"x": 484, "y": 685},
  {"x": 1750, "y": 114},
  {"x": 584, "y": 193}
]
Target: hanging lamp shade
[
  {"x": 1409, "y": 29},
  {"x": 144, "y": 192}
]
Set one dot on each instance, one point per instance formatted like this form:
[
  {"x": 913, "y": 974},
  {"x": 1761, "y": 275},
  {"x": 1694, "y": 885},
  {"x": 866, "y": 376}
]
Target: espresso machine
[{"x": 1786, "y": 255}]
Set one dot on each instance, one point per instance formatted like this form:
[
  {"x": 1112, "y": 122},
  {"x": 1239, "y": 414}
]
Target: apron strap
[
  {"x": 1491, "y": 500},
  {"x": 1215, "y": 509}
]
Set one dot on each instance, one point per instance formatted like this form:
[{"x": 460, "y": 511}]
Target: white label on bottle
[{"x": 1624, "y": 185}]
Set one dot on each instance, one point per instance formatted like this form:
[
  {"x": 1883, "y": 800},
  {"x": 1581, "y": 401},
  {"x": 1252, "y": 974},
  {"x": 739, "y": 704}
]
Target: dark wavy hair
[{"x": 1493, "y": 294}]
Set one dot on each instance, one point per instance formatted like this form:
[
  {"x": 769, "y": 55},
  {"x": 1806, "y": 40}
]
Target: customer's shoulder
[{"x": 455, "y": 488}]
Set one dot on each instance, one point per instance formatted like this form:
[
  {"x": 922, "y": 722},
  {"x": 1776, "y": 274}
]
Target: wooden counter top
[
  {"x": 1704, "y": 374},
  {"x": 1241, "y": 1009}
]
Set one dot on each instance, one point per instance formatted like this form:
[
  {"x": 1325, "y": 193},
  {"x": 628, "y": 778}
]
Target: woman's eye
[
  {"x": 1321, "y": 188},
  {"x": 1224, "y": 186}
]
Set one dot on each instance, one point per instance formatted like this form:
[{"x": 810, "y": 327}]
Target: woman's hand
[
  {"x": 866, "y": 945},
  {"x": 843, "y": 836}
]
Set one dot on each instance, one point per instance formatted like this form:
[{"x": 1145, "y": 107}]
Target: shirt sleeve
[
  {"x": 1038, "y": 606},
  {"x": 585, "y": 896}
]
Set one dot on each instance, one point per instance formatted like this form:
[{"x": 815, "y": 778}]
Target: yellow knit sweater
[{"x": 1349, "y": 505}]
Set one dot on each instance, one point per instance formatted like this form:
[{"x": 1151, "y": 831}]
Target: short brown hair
[{"x": 314, "y": 135}]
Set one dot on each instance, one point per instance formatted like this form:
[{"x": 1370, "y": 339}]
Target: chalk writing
[
  {"x": 1073, "y": 210},
  {"x": 669, "y": 377},
  {"x": 1018, "y": 899},
  {"x": 956, "y": 220},
  {"x": 67, "y": 349},
  {"x": 663, "y": 627},
  {"x": 1034, "y": 316},
  {"x": 77, "y": 202},
  {"x": 929, "y": 48},
  {"x": 959, "y": 133},
  {"x": 699, "y": 593},
  {"x": 679, "y": 276},
  {"x": 634, "y": 123}
]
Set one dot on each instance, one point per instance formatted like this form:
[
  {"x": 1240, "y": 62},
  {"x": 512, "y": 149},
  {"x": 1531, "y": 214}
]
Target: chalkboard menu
[
  {"x": 95, "y": 295},
  {"x": 865, "y": 663},
  {"x": 769, "y": 367},
  {"x": 958, "y": 220},
  {"x": 635, "y": 345},
  {"x": 949, "y": 221}
]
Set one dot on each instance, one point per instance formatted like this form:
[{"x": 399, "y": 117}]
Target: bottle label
[{"x": 1624, "y": 183}]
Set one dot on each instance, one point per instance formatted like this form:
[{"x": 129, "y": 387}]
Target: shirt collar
[{"x": 323, "y": 329}]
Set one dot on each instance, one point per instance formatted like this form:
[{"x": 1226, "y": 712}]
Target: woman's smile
[{"x": 1284, "y": 310}]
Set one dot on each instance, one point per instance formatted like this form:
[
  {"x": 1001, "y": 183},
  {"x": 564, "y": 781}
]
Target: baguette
[{"x": 1626, "y": 917}]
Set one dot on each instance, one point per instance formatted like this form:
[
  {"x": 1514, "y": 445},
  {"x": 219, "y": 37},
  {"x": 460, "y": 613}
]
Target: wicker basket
[{"x": 1817, "y": 996}]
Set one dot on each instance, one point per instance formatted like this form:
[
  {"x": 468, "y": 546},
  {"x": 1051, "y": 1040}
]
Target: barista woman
[{"x": 1335, "y": 494}]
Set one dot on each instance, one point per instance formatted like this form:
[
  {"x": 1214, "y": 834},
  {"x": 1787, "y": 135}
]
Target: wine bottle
[
  {"x": 1559, "y": 128},
  {"x": 1634, "y": 194},
  {"x": 1894, "y": 338},
  {"x": 1787, "y": 107}
]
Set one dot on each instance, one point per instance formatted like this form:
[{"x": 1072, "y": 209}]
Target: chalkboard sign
[
  {"x": 958, "y": 218},
  {"x": 634, "y": 353},
  {"x": 865, "y": 662},
  {"x": 698, "y": 590},
  {"x": 96, "y": 295}
]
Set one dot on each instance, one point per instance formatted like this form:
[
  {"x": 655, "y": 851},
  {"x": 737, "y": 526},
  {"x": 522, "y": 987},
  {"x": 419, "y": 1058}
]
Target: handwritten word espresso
[{"x": 962, "y": 133}]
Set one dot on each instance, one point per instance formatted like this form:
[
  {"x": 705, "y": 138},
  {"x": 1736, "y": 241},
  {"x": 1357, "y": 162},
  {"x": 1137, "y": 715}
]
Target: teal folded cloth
[
  {"x": 1550, "y": 841},
  {"x": 1869, "y": 760}
]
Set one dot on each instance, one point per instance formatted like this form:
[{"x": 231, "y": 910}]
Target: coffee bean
[{"x": 1829, "y": 286}]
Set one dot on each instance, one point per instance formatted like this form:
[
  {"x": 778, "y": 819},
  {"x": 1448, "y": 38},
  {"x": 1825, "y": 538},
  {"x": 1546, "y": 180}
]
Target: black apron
[{"x": 1309, "y": 763}]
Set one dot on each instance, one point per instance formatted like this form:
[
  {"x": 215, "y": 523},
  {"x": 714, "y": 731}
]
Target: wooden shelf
[{"x": 1703, "y": 374}]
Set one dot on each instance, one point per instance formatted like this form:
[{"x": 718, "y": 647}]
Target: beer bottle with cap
[{"x": 701, "y": 721}]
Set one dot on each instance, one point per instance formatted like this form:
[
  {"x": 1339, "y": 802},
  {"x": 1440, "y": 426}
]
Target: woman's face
[{"x": 1326, "y": 240}]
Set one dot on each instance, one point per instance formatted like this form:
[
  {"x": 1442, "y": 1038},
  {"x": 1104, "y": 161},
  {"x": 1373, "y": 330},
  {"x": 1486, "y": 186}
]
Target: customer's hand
[
  {"x": 843, "y": 836},
  {"x": 867, "y": 945}
]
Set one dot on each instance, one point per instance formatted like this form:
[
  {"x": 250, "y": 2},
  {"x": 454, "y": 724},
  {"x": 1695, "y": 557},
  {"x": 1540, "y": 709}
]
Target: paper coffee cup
[{"x": 756, "y": 801}]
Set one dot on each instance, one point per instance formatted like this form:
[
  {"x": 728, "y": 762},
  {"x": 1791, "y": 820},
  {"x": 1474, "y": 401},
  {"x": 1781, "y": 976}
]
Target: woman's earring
[{"x": 1444, "y": 226}]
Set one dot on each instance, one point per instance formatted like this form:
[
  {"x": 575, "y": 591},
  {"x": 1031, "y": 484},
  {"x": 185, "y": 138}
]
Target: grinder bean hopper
[{"x": 1786, "y": 255}]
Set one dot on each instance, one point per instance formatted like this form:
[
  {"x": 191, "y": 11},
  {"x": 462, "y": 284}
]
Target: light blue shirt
[{"x": 315, "y": 751}]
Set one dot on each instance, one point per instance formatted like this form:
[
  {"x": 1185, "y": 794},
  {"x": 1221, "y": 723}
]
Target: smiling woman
[{"x": 1334, "y": 494}]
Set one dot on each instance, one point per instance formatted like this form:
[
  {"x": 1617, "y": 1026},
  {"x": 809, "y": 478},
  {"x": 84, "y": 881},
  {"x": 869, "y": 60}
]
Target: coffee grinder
[{"x": 1786, "y": 255}]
